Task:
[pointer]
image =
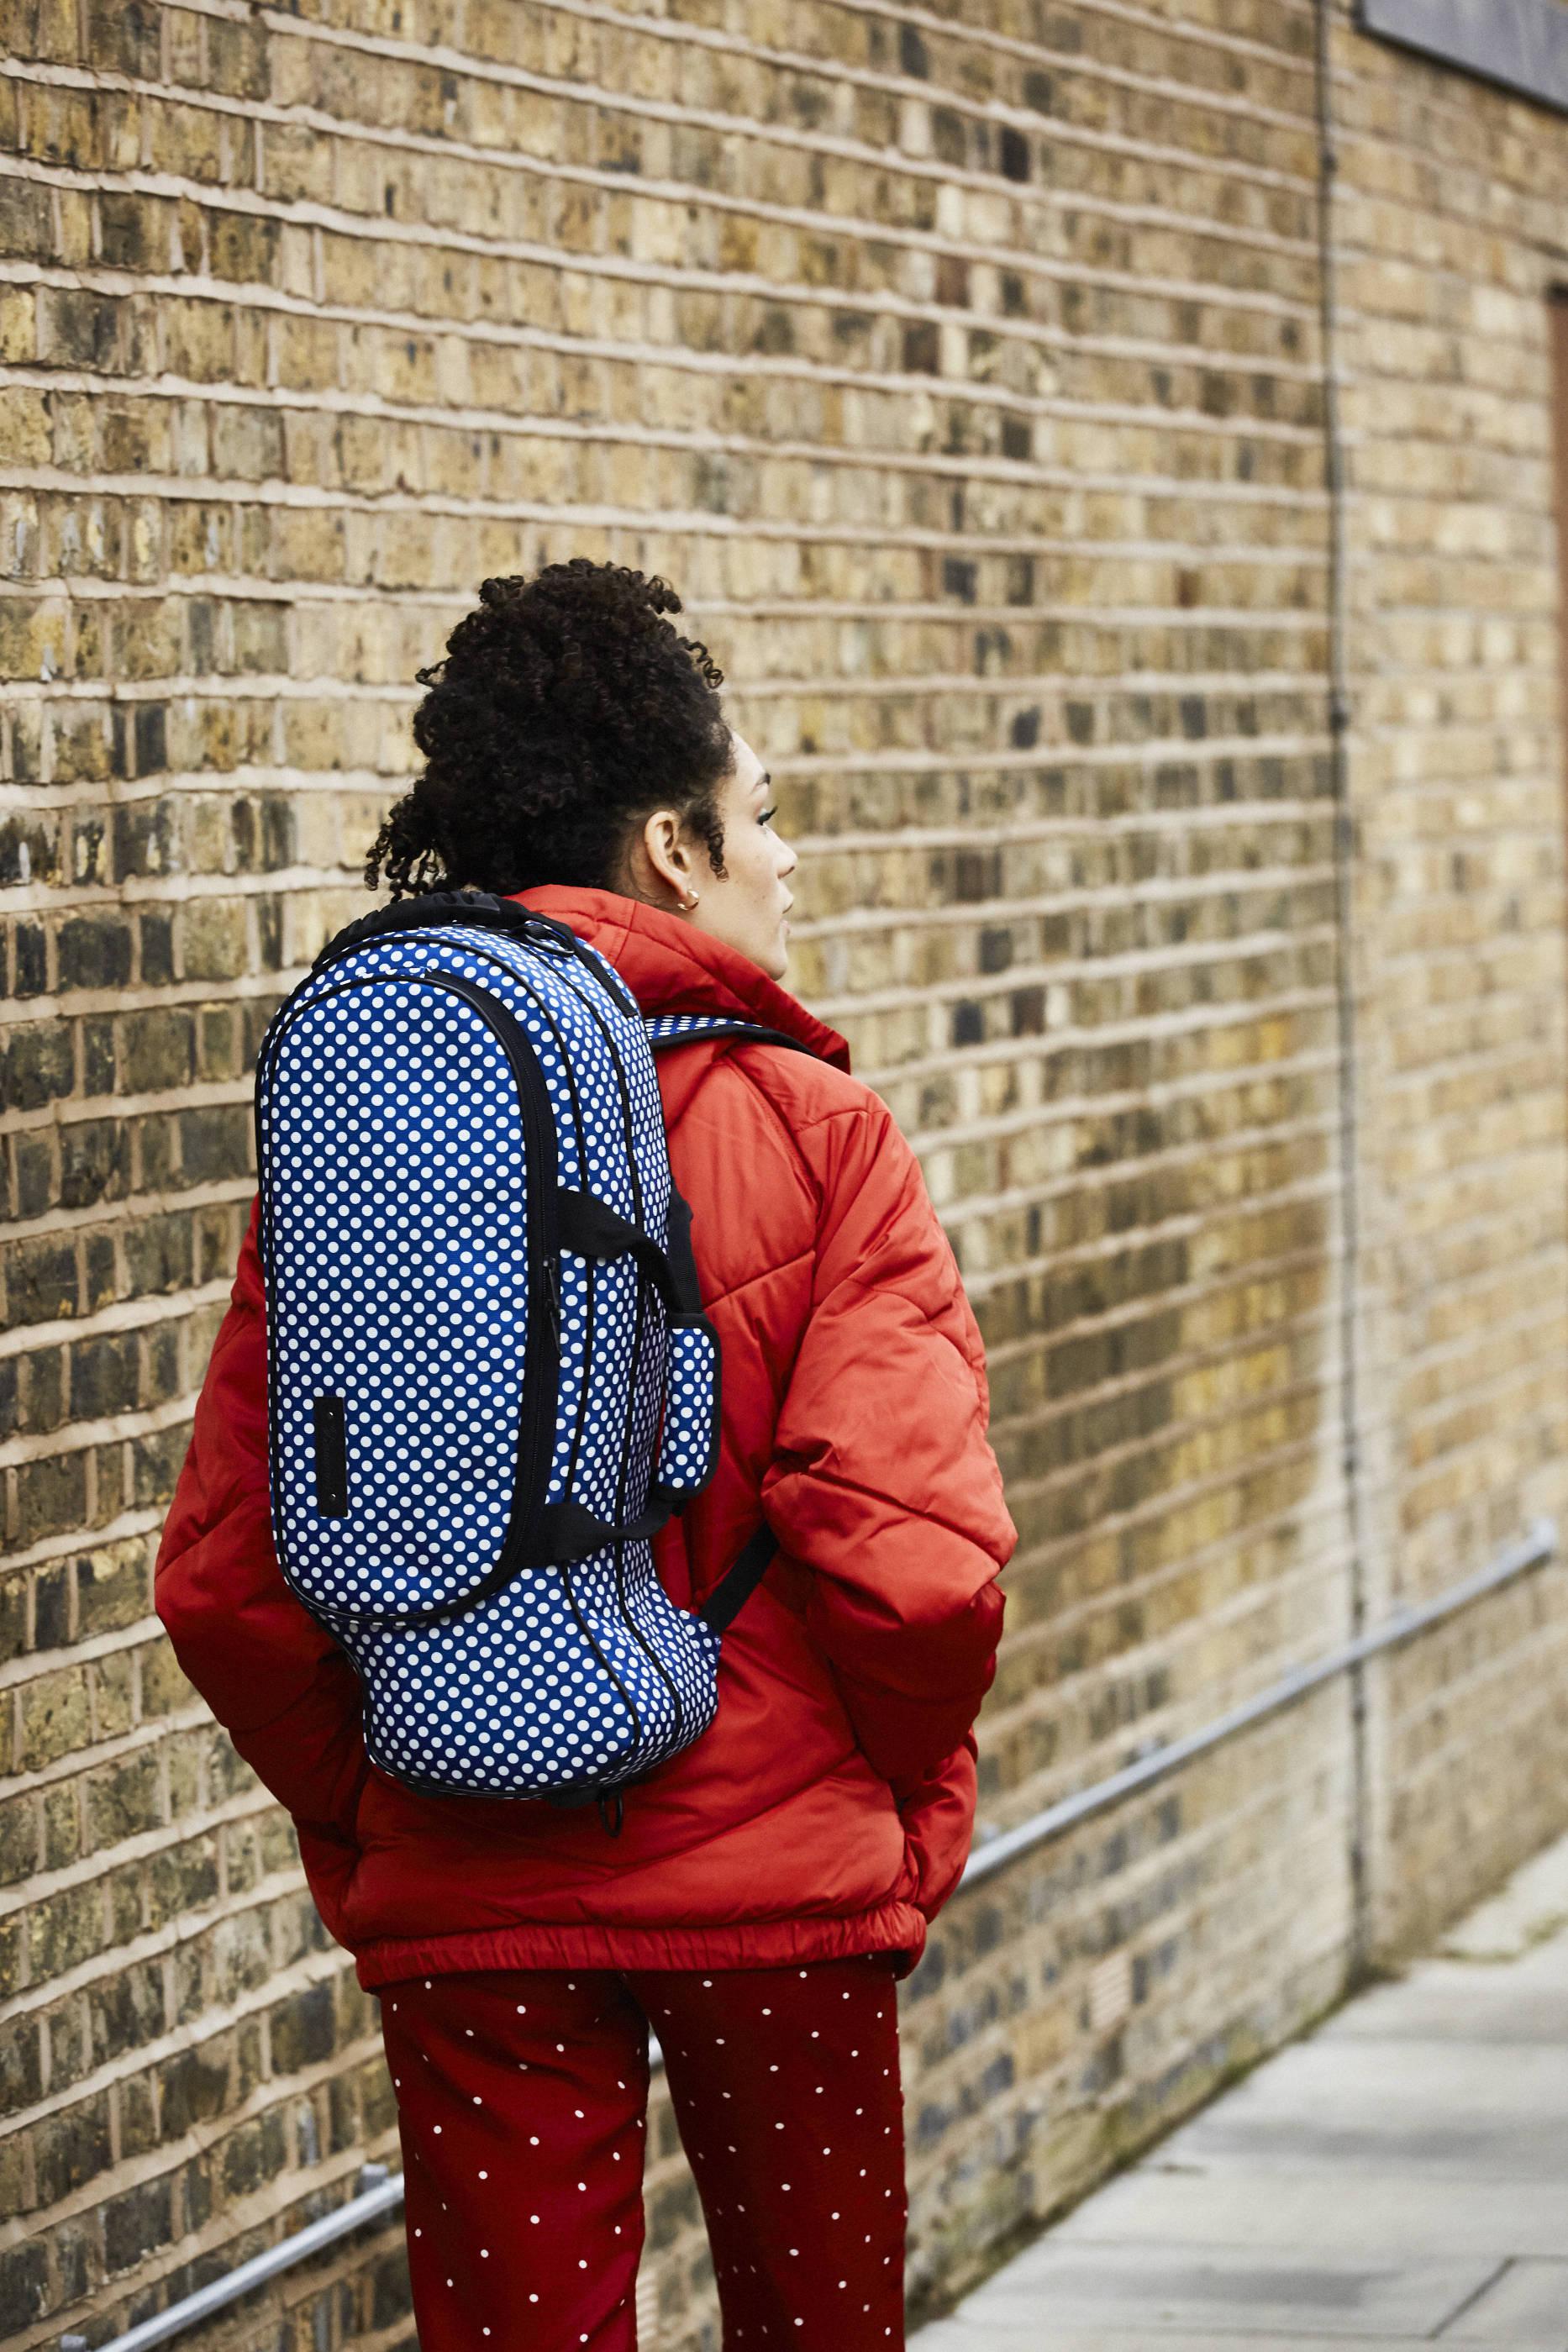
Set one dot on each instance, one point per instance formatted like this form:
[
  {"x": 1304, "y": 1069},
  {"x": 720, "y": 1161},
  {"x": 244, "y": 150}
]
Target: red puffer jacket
[{"x": 827, "y": 1810}]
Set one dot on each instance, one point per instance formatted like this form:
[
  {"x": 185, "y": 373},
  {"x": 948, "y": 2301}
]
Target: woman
[{"x": 770, "y": 1882}]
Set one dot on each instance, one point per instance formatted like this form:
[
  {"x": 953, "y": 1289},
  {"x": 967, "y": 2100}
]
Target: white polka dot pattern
[
  {"x": 691, "y": 1434},
  {"x": 420, "y": 1098}
]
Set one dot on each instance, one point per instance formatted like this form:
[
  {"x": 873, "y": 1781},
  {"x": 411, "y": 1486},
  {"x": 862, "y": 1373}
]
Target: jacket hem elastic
[{"x": 894, "y": 1927}]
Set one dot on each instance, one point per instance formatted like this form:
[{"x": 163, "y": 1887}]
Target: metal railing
[
  {"x": 1531, "y": 1551},
  {"x": 381, "y": 2194}
]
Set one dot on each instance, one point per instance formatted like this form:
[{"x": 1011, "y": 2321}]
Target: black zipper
[
  {"x": 627, "y": 1617},
  {"x": 536, "y": 1433},
  {"x": 483, "y": 955},
  {"x": 636, "y": 1631},
  {"x": 542, "y": 1362}
]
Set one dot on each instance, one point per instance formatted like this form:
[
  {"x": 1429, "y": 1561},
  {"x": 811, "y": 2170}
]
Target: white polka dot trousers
[{"x": 522, "y": 2097}]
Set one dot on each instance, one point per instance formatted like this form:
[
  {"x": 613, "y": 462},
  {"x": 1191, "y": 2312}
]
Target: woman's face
[{"x": 746, "y": 906}]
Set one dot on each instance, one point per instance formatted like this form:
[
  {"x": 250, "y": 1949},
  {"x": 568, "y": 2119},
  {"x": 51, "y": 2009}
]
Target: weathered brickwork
[
  {"x": 1452, "y": 230},
  {"x": 965, "y": 368}
]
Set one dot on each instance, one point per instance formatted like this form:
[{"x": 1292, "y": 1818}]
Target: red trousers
[{"x": 521, "y": 2099}]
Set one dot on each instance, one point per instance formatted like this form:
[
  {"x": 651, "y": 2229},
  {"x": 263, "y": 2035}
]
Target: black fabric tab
[{"x": 331, "y": 1457}]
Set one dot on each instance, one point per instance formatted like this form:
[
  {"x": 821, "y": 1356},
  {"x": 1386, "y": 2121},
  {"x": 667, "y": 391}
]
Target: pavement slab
[
  {"x": 1527, "y": 2304},
  {"x": 1399, "y": 2179},
  {"x": 1463, "y": 2111},
  {"x": 1232, "y": 2292},
  {"x": 1158, "y": 2205},
  {"x": 1446, "y": 2000},
  {"x": 963, "y": 2335}
]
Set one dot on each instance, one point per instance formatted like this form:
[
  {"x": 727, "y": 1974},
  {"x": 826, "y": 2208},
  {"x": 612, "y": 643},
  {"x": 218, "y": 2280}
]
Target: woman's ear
[{"x": 657, "y": 862}]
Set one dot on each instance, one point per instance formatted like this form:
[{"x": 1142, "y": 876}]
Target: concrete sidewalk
[{"x": 1400, "y": 2179}]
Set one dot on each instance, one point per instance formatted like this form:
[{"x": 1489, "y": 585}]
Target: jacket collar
[{"x": 671, "y": 967}]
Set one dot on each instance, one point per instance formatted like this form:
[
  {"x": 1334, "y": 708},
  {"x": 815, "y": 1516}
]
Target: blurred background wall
[{"x": 1176, "y": 760}]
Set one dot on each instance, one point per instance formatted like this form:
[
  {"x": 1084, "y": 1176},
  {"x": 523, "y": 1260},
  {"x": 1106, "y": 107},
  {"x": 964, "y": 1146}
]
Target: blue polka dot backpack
[{"x": 489, "y": 1375}]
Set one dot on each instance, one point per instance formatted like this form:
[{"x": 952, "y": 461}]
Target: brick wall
[
  {"x": 1452, "y": 230},
  {"x": 969, "y": 379}
]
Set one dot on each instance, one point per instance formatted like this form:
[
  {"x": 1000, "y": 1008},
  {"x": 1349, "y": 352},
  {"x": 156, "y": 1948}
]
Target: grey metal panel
[{"x": 1523, "y": 43}]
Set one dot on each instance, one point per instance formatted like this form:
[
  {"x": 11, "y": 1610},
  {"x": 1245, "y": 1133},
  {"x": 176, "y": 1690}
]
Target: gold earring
[{"x": 691, "y": 897}]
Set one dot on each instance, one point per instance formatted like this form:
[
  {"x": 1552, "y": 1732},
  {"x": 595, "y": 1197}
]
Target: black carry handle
[
  {"x": 589, "y": 1227},
  {"x": 479, "y": 908},
  {"x": 569, "y": 1529}
]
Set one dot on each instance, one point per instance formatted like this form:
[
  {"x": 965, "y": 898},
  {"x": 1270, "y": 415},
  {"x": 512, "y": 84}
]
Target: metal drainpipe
[{"x": 1350, "y": 1328}]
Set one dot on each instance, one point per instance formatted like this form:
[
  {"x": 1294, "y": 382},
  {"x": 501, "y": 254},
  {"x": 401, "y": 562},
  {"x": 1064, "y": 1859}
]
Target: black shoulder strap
[{"x": 738, "y": 1583}]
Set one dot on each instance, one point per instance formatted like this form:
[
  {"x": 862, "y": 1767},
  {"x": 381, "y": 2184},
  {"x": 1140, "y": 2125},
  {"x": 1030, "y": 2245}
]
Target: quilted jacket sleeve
[
  {"x": 938, "y": 1814},
  {"x": 281, "y": 1688},
  {"x": 882, "y": 1481}
]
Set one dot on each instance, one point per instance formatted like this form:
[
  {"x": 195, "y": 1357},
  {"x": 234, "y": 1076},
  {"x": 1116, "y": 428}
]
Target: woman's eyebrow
[{"x": 764, "y": 781}]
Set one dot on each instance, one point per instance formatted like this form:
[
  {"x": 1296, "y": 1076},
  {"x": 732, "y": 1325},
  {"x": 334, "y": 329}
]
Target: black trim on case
[
  {"x": 450, "y": 909},
  {"x": 542, "y": 1356},
  {"x": 523, "y": 980},
  {"x": 541, "y": 1359},
  {"x": 665, "y": 1040}
]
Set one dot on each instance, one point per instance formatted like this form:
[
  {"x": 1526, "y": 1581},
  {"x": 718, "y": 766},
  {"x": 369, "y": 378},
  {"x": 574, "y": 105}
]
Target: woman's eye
[{"x": 768, "y": 815}]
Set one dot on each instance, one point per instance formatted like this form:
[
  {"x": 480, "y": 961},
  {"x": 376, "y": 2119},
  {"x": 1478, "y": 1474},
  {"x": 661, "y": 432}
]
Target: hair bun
[{"x": 567, "y": 706}]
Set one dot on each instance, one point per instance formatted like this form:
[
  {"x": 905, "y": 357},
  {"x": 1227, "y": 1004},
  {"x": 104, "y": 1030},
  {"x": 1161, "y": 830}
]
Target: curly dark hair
[{"x": 566, "y": 707}]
